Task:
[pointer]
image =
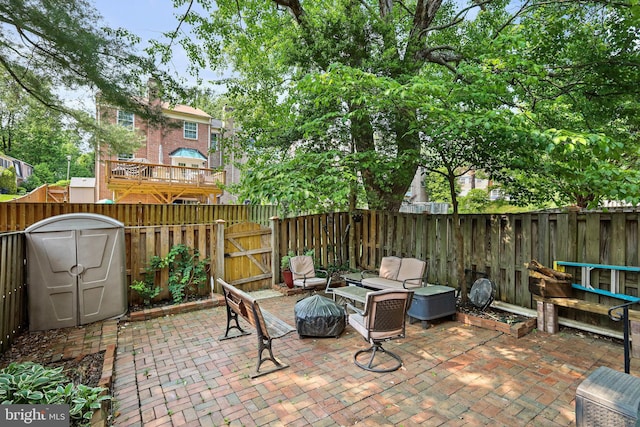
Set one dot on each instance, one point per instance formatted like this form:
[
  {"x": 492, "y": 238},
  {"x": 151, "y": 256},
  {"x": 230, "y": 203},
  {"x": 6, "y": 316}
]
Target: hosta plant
[{"x": 34, "y": 384}]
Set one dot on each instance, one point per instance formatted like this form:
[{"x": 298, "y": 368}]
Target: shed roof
[{"x": 83, "y": 182}]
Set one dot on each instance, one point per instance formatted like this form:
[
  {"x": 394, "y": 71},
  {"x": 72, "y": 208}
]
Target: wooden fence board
[
  {"x": 13, "y": 306},
  {"x": 509, "y": 259},
  {"x": 525, "y": 256},
  {"x": 618, "y": 228},
  {"x": 494, "y": 271},
  {"x": 444, "y": 272},
  {"x": 467, "y": 230},
  {"x": 592, "y": 248},
  {"x": 6, "y": 276}
]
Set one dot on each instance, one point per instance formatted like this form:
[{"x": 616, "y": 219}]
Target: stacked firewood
[{"x": 547, "y": 282}]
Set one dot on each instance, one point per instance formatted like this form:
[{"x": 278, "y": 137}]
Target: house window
[
  {"x": 190, "y": 130},
  {"x": 125, "y": 119},
  {"x": 125, "y": 156},
  {"x": 215, "y": 139}
]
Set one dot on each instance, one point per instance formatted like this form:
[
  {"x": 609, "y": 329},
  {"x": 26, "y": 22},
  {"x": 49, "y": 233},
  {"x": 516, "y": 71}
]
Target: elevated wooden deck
[{"x": 164, "y": 183}]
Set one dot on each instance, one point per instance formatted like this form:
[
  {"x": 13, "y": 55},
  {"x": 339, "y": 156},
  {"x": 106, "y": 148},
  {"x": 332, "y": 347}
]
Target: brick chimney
[{"x": 153, "y": 91}]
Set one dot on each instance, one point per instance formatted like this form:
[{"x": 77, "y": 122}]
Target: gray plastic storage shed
[{"x": 75, "y": 270}]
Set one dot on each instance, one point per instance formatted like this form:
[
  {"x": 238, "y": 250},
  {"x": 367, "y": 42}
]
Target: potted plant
[{"x": 287, "y": 275}]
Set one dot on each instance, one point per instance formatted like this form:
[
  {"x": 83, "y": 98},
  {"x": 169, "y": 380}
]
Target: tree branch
[
  {"x": 409, "y": 12},
  {"x": 295, "y": 8},
  {"x": 442, "y": 55},
  {"x": 386, "y": 7},
  {"x": 513, "y": 17},
  {"x": 182, "y": 19},
  {"x": 29, "y": 90},
  {"x": 456, "y": 19},
  {"x": 426, "y": 11}
]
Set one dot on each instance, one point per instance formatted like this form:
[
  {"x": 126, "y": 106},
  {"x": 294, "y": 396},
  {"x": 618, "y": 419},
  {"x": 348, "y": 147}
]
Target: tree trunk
[
  {"x": 353, "y": 204},
  {"x": 459, "y": 240},
  {"x": 583, "y": 200},
  {"x": 386, "y": 195}
]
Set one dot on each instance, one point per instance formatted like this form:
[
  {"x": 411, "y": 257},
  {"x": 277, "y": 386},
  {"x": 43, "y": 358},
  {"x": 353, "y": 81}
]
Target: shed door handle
[{"x": 76, "y": 270}]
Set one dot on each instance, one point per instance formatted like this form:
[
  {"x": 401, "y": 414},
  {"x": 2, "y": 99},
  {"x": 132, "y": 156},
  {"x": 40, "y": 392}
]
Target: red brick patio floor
[{"x": 173, "y": 371}]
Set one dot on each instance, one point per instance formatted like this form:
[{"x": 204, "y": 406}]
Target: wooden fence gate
[{"x": 247, "y": 256}]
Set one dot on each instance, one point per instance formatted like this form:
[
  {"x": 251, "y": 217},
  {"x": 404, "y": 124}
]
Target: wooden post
[
  {"x": 219, "y": 272},
  {"x": 275, "y": 250},
  {"x": 540, "y": 310},
  {"x": 635, "y": 338},
  {"x": 550, "y": 318}
]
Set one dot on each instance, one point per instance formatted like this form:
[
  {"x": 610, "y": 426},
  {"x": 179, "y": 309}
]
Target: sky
[{"x": 148, "y": 19}]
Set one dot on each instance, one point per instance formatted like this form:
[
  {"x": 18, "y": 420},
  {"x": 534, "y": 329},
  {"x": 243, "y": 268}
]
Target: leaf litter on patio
[{"x": 38, "y": 347}]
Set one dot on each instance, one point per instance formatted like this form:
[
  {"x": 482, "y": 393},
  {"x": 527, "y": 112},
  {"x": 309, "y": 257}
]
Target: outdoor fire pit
[{"x": 317, "y": 316}]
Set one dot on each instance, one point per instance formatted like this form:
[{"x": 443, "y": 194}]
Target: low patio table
[
  {"x": 353, "y": 293},
  {"x": 353, "y": 279}
]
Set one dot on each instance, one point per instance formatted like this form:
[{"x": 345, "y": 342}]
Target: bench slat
[{"x": 277, "y": 327}]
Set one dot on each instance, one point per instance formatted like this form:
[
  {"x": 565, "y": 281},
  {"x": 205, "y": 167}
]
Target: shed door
[
  {"x": 53, "y": 286},
  {"x": 72, "y": 270},
  {"x": 99, "y": 265}
]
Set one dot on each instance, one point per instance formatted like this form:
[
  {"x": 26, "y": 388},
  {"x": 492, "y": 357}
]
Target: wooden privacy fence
[
  {"x": 497, "y": 245},
  {"x": 13, "y": 306},
  {"x": 18, "y": 216},
  {"x": 238, "y": 253},
  {"x": 248, "y": 267}
]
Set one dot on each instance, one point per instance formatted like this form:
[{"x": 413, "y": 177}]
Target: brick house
[{"x": 173, "y": 166}]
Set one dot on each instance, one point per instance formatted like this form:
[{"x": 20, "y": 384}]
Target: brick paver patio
[{"x": 173, "y": 371}]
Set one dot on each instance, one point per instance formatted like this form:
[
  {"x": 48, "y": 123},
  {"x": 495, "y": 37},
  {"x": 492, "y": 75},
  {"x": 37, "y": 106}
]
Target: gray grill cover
[{"x": 317, "y": 316}]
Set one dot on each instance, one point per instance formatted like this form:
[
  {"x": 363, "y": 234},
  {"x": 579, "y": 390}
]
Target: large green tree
[
  {"x": 322, "y": 72},
  {"x": 394, "y": 85},
  {"x": 38, "y": 135},
  {"x": 574, "y": 68}
]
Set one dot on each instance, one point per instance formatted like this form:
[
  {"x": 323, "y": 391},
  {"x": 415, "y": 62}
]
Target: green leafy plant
[
  {"x": 8, "y": 180},
  {"x": 284, "y": 261},
  {"x": 475, "y": 201},
  {"x": 186, "y": 270},
  {"x": 34, "y": 384},
  {"x": 146, "y": 288}
]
